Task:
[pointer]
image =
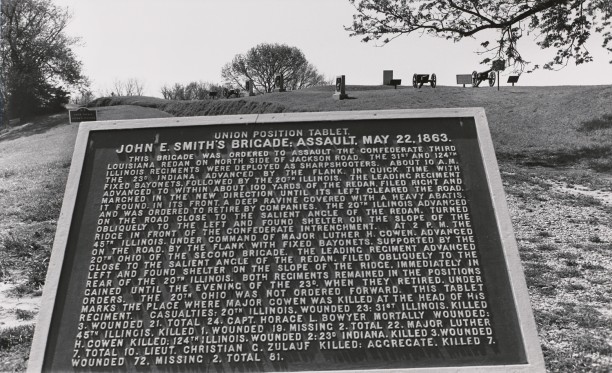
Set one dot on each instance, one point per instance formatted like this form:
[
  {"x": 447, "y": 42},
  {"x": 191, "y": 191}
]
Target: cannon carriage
[
  {"x": 419, "y": 79},
  {"x": 229, "y": 92},
  {"x": 478, "y": 78}
]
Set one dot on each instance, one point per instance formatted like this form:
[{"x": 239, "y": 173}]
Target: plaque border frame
[{"x": 516, "y": 277}]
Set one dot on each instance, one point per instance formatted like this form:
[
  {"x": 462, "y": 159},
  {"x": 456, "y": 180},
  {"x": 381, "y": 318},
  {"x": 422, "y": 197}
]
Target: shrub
[
  {"x": 546, "y": 247},
  {"x": 191, "y": 91},
  {"x": 11, "y": 337},
  {"x": 37, "y": 271},
  {"x": 24, "y": 314},
  {"x": 19, "y": 246},
  {"x": 603, "y": 123}
]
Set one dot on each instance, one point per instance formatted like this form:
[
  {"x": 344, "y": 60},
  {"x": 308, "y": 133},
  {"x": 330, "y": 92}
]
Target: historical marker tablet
[
  {"x": 340, "y": 241},
  {"x": 82, "y": 115}
]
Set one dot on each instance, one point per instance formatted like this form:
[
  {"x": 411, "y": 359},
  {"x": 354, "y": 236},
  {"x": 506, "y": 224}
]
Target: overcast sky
[{"x": 178, "y": 41}]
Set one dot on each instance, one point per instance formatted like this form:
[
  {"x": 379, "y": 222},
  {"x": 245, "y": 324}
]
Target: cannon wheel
[
  {"x": 415, "y": 82},
  {"x": 491, "y": 78},
  {"x": 475, "y": 81},
  {"x": 433, "y": 81}
]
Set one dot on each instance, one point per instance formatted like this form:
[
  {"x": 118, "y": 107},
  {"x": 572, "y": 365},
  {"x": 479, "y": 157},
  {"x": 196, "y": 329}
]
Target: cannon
[
  {"x": 228, "y": 93},
  {"x": 419, "y": 79},
  {"x": 478, "y": 78}
]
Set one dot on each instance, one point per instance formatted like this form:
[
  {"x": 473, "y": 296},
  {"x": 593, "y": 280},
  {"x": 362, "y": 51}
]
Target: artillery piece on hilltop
[
  {"x": 419, "y": 79},
  {"x": 478, "y": 78}
]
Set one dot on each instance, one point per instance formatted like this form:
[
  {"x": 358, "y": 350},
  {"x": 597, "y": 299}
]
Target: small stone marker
[
  {"x": 249, "y": 87},
  {"x": 82, "y": 115},
  {"x": 340, "y": 93},
  {"x": 336, "y": 241},
  {"x": 387, "y": 77},
  {"x": 279, "y": 83}
]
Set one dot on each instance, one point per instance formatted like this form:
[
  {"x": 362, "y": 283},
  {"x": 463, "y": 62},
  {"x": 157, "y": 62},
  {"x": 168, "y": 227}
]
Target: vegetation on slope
[
  {"x": 195, "y": 107},
  {"x": 531, "y": 125}
]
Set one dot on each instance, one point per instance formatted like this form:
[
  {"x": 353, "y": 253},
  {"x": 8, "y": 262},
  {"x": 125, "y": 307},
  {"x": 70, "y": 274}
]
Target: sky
[{"x": 178, "y": 41}]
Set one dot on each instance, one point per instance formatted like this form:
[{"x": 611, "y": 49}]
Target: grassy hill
[
  {"x": 530, "y": 124},
  {"x": 555, "y": 150}
]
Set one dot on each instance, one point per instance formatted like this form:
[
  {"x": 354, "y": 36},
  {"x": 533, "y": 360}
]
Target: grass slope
[
  {"x": 534, "y": 125},
  {"x": 564, "y": 232},
  {"x": 193, "y": 108},
  {"x": 34, "y": 162}
]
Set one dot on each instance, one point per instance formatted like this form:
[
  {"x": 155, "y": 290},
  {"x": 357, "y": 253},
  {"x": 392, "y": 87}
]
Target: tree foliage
[
  {"x": 82, "y": 97},
  {"x": 38, "y": 64},
  {"x": 190, "y": 91},
  {"x": 563, "y": 25},
  {"x": 263, "y": 62}
]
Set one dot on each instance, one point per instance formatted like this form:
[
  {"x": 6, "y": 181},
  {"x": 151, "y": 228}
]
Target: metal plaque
[{"x": 340, "y": 241}]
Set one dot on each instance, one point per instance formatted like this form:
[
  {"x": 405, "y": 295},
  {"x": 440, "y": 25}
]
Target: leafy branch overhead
[
  {"x": 561, "y": 25},
  {"x": 38, "y": 63}
]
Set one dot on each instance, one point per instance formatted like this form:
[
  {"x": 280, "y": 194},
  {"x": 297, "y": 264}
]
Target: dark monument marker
[
  {"x": 387, "y": 77},
  {"x": 249, "y": 87},
  {"x": 82, "y": 115},
  {"x": 340, "y": 93},
  {"x": 340, "y": 241},
  {"x": 279, "y": 83}
]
